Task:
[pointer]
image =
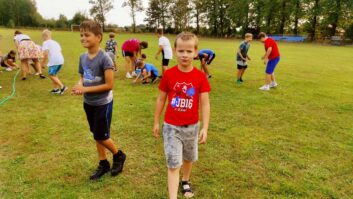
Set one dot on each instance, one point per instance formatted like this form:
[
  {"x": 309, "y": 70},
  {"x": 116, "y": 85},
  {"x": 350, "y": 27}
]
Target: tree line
[
  {"x": 220, "y": 18},
  {"x": 314, "y": 18}
]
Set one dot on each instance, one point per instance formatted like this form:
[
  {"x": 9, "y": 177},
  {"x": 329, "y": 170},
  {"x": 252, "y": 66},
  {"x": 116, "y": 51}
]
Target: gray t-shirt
[{"x": 92, "y": 71}]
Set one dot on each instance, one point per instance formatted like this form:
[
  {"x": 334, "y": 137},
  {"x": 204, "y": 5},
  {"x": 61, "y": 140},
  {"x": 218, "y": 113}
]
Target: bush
[{"x": 10, "y": 24}]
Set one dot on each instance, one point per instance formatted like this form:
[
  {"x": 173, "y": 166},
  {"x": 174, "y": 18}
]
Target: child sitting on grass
[{"x": 9, "y": 61}]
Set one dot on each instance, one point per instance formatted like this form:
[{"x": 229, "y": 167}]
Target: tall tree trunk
[
  {"x": 314, "y": 20},
  {"x": 197, "y": 21},
  {"x": 336, "y": 17},
  {"x": 283, "y": 17},
  {"x": 246, "y": 23},
  {"x": 296, "y": 17}
]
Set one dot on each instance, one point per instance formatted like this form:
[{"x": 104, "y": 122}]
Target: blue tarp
[{"x": 288, "y": 38}]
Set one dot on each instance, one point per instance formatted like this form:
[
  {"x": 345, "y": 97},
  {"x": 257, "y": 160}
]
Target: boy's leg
[
  {"x": 187, "y": 165},
  {"x": 57, "y": 83},
  {"x": 173, "y": 182},
  {"x": 109, "y": 144},
  {"x": 101, "y": 151}
]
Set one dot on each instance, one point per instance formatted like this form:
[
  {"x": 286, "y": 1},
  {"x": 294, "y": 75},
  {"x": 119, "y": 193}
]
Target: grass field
[{"x": 295, "y": 141}]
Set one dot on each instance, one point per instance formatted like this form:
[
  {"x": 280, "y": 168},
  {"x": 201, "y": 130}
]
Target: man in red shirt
[
  {"x": 271, "y": 59},
  {"x": 184, "y": 86}
]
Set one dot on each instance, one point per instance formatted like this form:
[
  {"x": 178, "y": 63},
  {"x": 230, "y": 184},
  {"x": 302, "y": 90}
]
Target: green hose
[{"x": 4, "y": 100}]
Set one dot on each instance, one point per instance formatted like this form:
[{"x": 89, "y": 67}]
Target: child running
[
  {"x": 9, "y": 61},
  {"x": 185, "y": 87},
  {"x": 96, "y": 83},
  {"x": 54, "y": 59},
  {"x": 243, "y": 57}
]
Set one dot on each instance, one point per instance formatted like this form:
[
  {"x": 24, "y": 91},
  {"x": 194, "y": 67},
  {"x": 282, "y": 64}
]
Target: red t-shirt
[
  {"x": 269, "y": 42},
  {"x": 131, "y": 45},
  {"x": 183, "y": 90}
]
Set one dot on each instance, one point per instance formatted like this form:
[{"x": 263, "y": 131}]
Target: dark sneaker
[
  {"x": 63, "y": 89},
  {"x": 56, "y": 90},
  {"x": 24, "y": 78},
  {"x": 241, "y": 80},
  {"x": 102, "y": 169},
  {"x": 118, "y": 163},
  {"x": 42, "y": 76}
]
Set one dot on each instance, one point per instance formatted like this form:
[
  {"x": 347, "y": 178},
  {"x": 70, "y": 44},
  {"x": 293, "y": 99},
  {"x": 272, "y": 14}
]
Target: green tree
[
  {"x": 135, "y": 6},
  {"x": 99, "y": 10}
]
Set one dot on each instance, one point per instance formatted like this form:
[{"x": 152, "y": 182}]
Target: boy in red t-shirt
[
  {"x": 271, "y": 59},
  {"x": 185, "y": 86}
]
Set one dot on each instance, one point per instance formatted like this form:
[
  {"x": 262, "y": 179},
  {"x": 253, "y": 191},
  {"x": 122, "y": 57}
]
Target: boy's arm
[
  {"x": 159, "y": 51},
  {"x": 268, "y": 52},
  {"x": 116, "y": 51},
  {"x": 137, "y": 78},
  {"x": 108, "y": 85},
  {"x": 205, "y": 110},
  {"x": 158, "y": 111},
  {"x": 147, "y": 76},
  {"x": 241, "y": 56},
  {"x": 45, "y": 58}
]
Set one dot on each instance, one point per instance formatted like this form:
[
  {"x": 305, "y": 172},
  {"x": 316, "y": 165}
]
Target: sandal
[{"x": 186, "y": 189}]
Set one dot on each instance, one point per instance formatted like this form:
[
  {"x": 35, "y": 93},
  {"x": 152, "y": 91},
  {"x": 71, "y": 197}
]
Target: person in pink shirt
[{"x": 131, "y": 50}]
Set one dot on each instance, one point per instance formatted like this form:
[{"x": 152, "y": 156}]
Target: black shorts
[
  {"x": 99, "y": 119},
  {"x": 240, "y": 67},
  {"x": 210, "y": 59},
  {"x": 127, "y": 54},
  {"x": 165, "y": 62}
]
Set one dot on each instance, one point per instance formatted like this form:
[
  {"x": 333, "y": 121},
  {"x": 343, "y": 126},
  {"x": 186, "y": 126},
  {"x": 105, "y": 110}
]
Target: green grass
[{"x": 295, "y": 141}]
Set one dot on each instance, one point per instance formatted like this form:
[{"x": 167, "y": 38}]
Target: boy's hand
[
  {"x": 78, "y": 89},
  {"x": 203, "y": 136},
  {"x": 156, "y": 131},
  {"x": 265, "y": 61}
]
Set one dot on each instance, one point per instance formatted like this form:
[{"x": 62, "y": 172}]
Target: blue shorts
[
  {"x": 53, "y": 70},
  {"x": 271, "y": 65},
  {"x": 99, "y": 119}
]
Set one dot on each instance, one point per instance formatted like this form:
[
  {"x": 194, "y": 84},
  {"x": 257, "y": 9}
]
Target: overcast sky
[{"x": 118, "y": 15}]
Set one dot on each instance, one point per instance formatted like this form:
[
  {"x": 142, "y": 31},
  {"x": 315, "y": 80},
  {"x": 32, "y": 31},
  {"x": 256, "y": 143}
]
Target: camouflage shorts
[{"x": 180, "y": 143}]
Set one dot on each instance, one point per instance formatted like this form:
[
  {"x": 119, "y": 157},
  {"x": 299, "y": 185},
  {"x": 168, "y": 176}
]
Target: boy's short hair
[
  {"x": 92, "y": 26},
  {"x": 139, "y": 62},
  {"x": 144, "y": 44},
  {"x": 248, "y": 35},
  {"x": 160, "y": 31},
  {"x": 144, "y": 56},
  {"x": 111, "y": 35},
  {"x": 46, "y": 33},
  {"x": 185, "y": 36},
  {"x": 262, "y": 35}
]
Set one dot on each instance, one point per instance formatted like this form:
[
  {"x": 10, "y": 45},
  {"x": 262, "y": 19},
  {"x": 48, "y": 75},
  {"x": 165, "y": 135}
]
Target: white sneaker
[
  {"x": 8, "y": 69},
  {"x": 37, "y": 73},
  {"x": 128, "y": 76},
  {"x": 273, "y": 84},
  {"x": 265, "y": 88},
  {"x": 134, "y": 74},
  {"x": 0, "y": 86}
]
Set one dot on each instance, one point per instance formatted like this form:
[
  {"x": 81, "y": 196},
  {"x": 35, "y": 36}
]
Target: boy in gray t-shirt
[{"x": 96, "y": 84}]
